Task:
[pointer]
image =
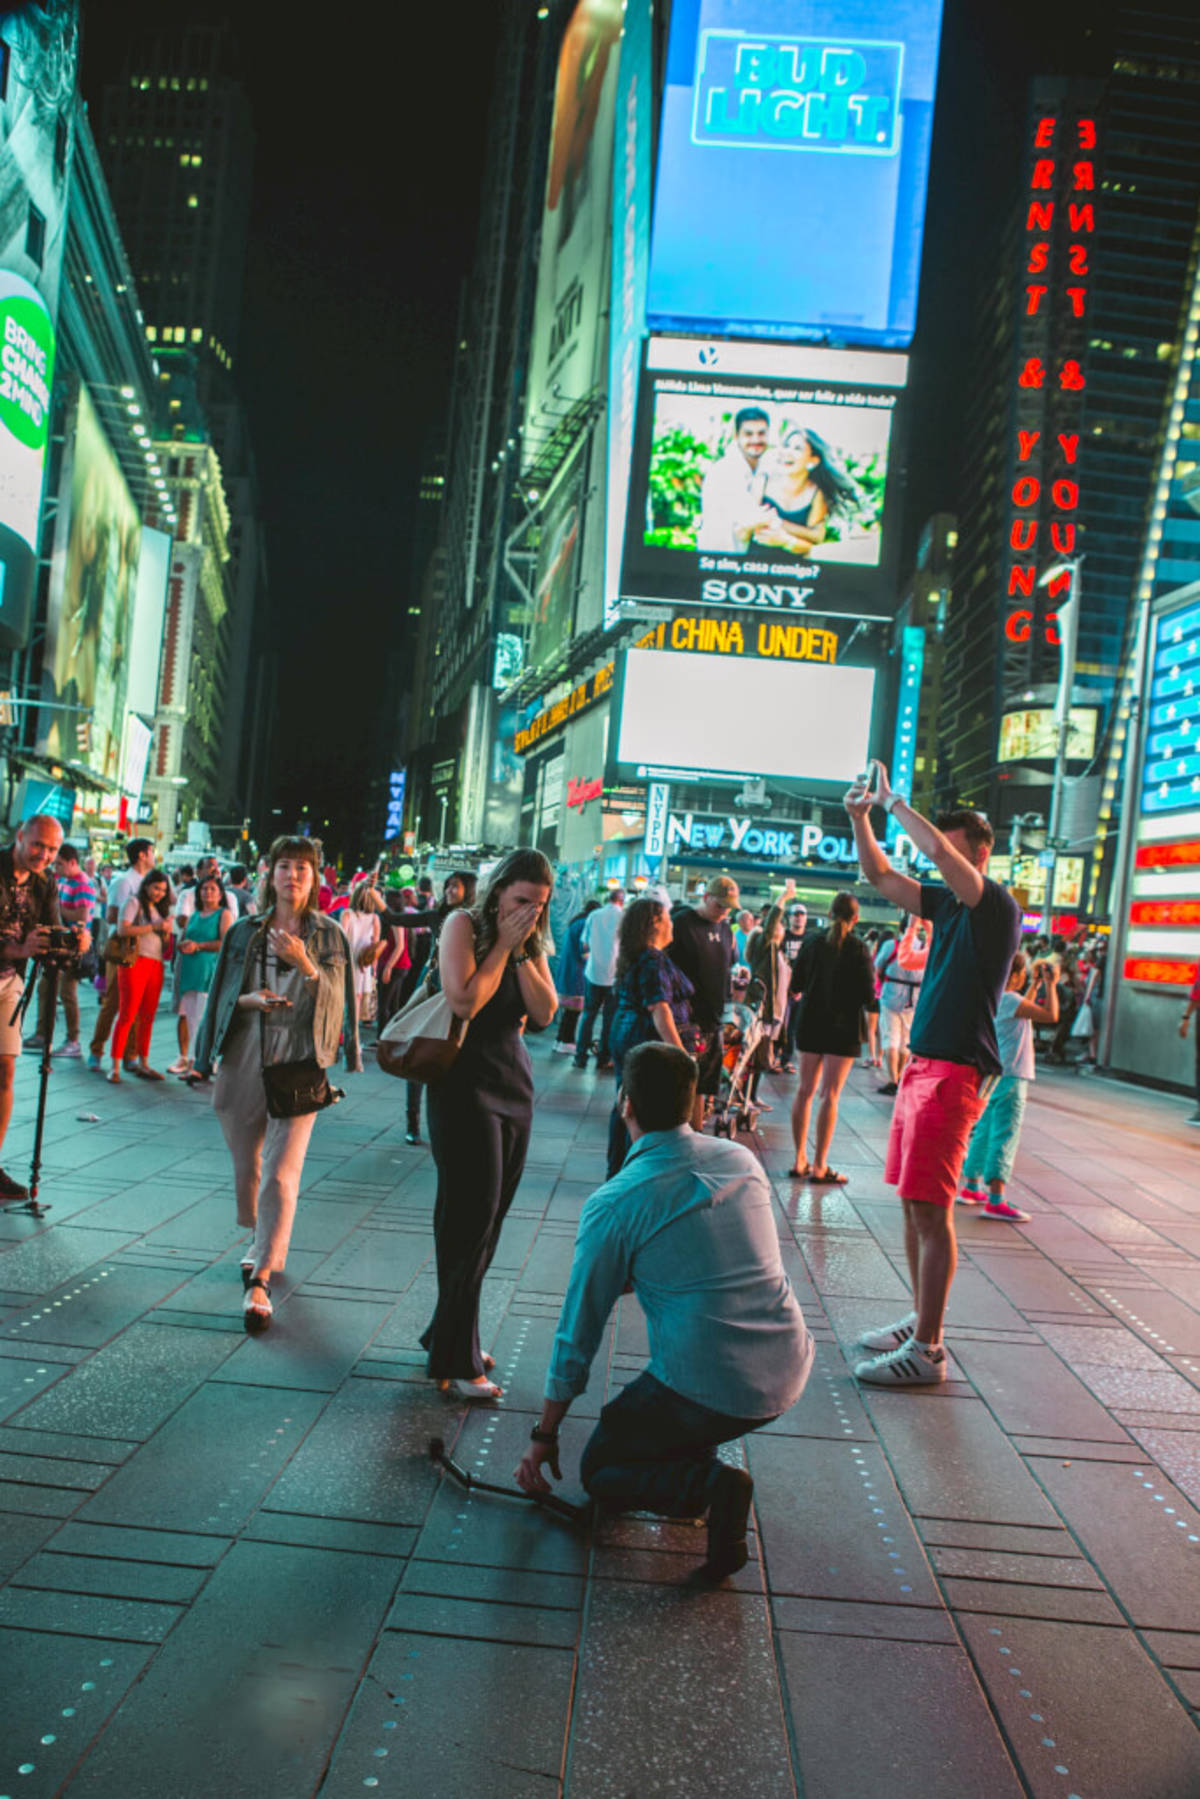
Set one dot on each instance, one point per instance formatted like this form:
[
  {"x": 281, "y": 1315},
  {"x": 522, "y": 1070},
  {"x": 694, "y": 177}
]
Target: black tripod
[{"x": 52, "y": 967}]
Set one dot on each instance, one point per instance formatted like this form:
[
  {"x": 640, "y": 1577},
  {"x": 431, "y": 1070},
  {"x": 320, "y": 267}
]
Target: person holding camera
[
  {"x": 28, "y": 913},
  {"x": 993, "y": 1146},
  {"x": 76, "y": 901}
]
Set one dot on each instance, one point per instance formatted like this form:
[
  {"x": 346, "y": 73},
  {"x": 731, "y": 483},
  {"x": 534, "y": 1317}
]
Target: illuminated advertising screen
[
  {"x": 26, "y": 380},
  {"x": 680, "y": 716},
  {"x": 150, "y": 604},
  {"x": 92, "y": 588},
  {"x": 761, "y": 479},
  {"x": 576, "y": 221},
  {"x": 557, "y": 570},
  {"x": 1032, "y": 735},
  {"x": 135, "y": 756},
  {"x": 793, "y": 158},
  {"x": 632, "y": 148}
]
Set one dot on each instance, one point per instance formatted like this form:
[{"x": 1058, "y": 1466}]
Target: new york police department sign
[{"x": 789, "y": 93}]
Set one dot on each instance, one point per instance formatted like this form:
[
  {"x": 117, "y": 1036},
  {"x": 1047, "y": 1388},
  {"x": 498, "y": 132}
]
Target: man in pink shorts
[{"x": 976, "y": 928}]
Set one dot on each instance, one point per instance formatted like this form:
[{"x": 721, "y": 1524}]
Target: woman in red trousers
[{"x": 147, "y": 919}]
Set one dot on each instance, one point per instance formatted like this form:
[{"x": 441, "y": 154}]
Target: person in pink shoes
[{"x": 993, "y": 1146}]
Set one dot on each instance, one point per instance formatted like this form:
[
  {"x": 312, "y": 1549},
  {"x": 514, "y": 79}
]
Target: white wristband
[{"x": 892, "y": 801}]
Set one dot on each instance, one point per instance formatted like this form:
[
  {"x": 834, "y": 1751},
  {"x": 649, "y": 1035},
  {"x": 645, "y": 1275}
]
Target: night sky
[{"x": 371, "y": 138}]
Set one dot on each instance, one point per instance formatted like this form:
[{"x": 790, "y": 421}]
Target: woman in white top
[
  {"x": 993, "y": 1147},
  {"x": 146, "y": 918},
  {"x": 360, "y": 921}
]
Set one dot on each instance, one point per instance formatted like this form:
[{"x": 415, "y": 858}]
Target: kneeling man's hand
[{"x": 529, "y": 1476}]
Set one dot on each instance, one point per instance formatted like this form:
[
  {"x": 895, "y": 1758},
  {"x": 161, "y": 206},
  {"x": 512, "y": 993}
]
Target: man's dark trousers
[
  {"x": 655, "y": 1451},
  {"x": 596, "y": 999}
]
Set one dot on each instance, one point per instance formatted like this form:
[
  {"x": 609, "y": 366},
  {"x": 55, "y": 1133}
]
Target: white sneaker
[
  {"x": 909, "y": 1366},
  {"x": 69, "y": 1048},
  {"x": 564, "y": 1049},
  {"x": 179, "y": 1066},
  {"x": 890, "y": 1336}
]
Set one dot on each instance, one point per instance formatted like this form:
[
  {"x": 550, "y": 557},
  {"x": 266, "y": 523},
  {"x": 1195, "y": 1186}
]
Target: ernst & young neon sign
[{"x": 1059, "y": 224}]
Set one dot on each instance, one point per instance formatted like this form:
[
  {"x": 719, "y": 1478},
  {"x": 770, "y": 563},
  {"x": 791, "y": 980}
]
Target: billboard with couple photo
[{"x": 763, "y": 478}]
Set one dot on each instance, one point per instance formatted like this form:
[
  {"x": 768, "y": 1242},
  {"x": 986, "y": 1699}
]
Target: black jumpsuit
[{"x": 480, "y": 1118}]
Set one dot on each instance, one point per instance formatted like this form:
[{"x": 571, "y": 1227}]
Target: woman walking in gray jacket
[{"x": 283, "y": 991}]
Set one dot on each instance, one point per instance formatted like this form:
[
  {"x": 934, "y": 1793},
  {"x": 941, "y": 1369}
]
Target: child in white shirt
[{"x": 993, "y": 1146}]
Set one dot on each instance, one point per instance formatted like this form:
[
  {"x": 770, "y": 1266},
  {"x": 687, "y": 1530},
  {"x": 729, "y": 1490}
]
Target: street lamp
[{"x": 1068, "y": 636}]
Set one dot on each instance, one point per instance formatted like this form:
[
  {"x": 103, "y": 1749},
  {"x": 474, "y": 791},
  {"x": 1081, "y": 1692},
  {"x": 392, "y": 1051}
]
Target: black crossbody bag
[{"x": 293, "y": 1089}]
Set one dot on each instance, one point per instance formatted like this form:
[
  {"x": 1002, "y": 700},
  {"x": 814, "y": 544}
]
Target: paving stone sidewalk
[{"x": 230, "y": 1569}]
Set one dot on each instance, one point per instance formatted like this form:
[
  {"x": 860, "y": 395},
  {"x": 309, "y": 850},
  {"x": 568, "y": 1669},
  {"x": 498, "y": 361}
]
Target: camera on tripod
[{"x": 63, "y": 948}]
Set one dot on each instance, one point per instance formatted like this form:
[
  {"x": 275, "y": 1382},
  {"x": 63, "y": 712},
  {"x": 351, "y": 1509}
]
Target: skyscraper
[
  {"x": 178, "y": 148},
  {"x": 1078, "y": 343}
]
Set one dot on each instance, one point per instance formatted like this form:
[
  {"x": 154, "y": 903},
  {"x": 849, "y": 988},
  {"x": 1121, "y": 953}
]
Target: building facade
[{"x": 1079, "y": 339}]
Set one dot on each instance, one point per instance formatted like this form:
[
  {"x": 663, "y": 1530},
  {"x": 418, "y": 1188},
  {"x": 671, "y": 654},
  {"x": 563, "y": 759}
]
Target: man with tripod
[{"x": 28, "y": 907}]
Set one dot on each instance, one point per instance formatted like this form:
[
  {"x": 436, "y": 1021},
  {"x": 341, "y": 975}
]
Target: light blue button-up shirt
[{"x": 689, "y": 1221}]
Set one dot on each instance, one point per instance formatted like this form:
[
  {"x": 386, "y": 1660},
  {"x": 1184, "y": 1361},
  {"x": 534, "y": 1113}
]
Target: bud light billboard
[{"x": 793, "y": 161}]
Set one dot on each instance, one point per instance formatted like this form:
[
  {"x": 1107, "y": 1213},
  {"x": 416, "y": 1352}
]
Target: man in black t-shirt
[
  {"x": 702, "y": 949},
  {"x": 954, "y": 1061}
]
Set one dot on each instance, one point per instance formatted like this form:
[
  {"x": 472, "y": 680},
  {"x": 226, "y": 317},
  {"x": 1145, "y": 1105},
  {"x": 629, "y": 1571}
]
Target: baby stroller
[{"x": 742, "y": 1030}]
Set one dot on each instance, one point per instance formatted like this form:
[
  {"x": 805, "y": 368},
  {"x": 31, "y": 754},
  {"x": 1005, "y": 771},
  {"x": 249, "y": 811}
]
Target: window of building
[
  {"x": 62, "y": 138},
  {"x": 35, "y": 235},
  {"x": 193, "y": 200}
]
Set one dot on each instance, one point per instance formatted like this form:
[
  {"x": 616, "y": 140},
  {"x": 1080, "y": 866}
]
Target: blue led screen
[{"x": 793, "y": 159}]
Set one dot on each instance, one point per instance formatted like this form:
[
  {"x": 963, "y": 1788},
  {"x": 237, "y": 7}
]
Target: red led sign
[
  {"x": 1158, "y": 971},
  {"x": 1177, "y": 912},
  {"x": 1056, "y": 268},
  {"x": 1169, "y": 855}
]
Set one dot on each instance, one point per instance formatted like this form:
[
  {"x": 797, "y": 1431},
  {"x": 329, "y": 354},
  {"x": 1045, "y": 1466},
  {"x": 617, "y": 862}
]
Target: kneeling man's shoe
[{"x": 729, "y": 1508}]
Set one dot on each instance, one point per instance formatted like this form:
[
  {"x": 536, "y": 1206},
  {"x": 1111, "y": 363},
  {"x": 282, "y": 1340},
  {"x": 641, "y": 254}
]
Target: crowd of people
[{"x": 272, "y": 977}]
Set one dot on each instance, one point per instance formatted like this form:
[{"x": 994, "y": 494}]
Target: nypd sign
[
  {"x": 789, "y": 93},
  {"x": 767, "y": 843},
  {"x": 777, "y": 844}
]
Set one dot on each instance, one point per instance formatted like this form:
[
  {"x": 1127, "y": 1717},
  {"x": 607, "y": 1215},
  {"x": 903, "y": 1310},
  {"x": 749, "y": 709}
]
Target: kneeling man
[{"x": 688, "y": 1223}]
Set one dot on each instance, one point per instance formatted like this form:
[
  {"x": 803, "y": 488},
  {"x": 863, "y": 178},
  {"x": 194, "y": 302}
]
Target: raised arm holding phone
[{"x": 976, "y": 929}]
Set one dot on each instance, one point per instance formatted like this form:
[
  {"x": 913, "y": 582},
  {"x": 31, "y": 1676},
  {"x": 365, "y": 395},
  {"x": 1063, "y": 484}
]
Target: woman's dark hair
[
  {"x": 163, "y": 906},
  {"x": 469, "y": 884},
  {"x": 637, "y": 921},
  {"x": 659, "y": 1081},
  {"x": 841, "y": 492},
  {"x": 213, "y": 880},
  {"x": 518, "y": 865},
  {"x": 592, "y": 905},
  {"x": 844, "y": 913}
]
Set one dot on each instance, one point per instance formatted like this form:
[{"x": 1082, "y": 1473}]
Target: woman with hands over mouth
[{"x": 491, "y": 963}]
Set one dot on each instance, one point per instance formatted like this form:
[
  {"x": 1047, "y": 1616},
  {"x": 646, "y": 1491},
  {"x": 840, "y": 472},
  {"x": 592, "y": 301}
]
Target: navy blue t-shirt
[{"x": 967, "y": 971}]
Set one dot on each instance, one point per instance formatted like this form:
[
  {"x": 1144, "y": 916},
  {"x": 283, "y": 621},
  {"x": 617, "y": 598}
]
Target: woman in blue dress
[{"x": 654, "y": 1001}]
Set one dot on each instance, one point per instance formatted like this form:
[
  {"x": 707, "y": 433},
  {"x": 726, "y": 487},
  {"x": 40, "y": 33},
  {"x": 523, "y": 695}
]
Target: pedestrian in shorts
[
  {"x": 993, "y": 1146},
  {"x": 954, "y": 1062}
]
